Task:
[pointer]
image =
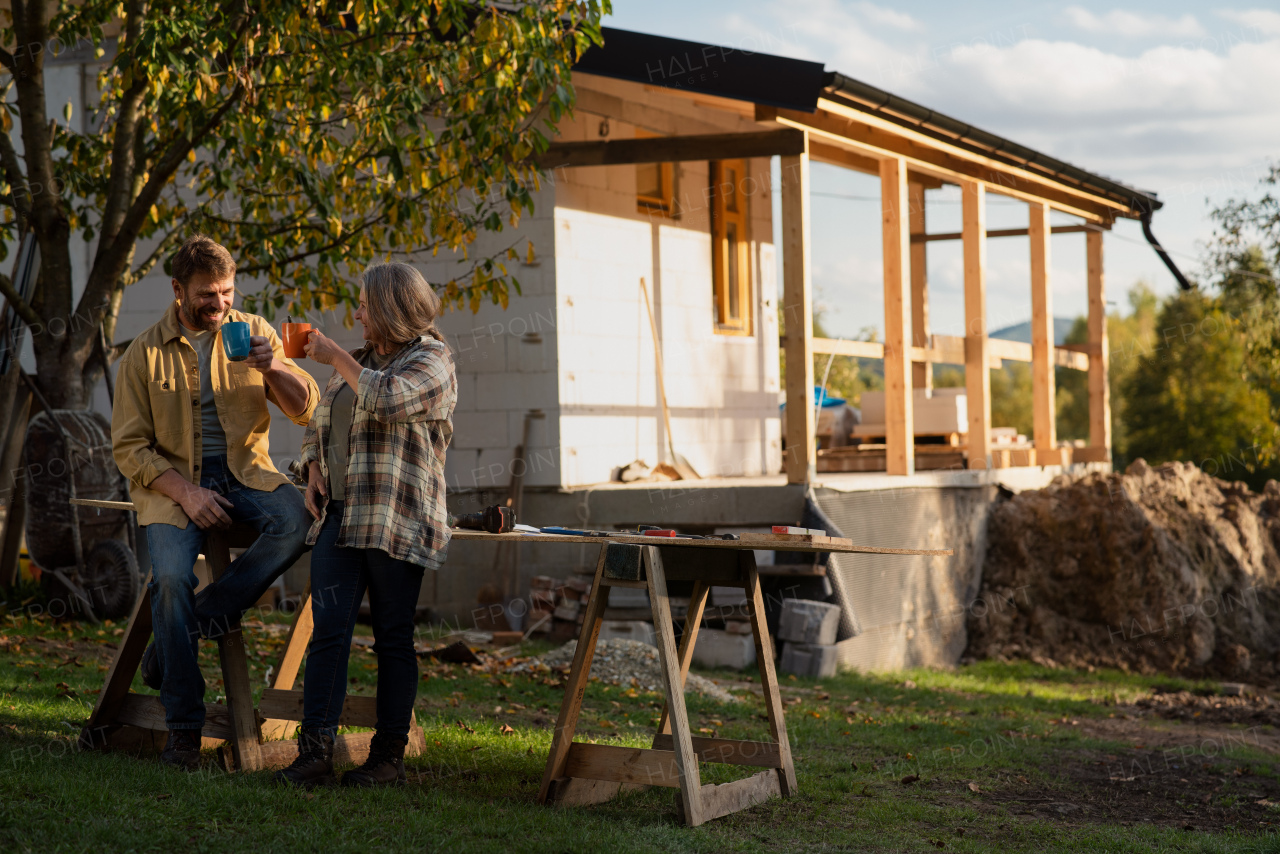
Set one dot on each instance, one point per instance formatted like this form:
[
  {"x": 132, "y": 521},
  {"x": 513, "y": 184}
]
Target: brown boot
[
  {"x": 182, "y": 750},
  {"x": 385, "y": 765},
  {"x": 314, "y": 765}
]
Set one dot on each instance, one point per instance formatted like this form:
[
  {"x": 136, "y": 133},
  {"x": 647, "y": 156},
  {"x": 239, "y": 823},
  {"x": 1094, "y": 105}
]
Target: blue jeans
[
  {"x": 339, "y": 578},
  {"x": 180, "y": 616}
]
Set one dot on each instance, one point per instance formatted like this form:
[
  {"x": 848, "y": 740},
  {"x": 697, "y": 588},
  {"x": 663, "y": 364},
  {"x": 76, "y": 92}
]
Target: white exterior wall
[{"x": 722, "y": 390}]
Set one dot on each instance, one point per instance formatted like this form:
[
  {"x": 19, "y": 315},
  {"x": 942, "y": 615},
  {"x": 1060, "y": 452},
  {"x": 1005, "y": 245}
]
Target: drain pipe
[{"x": 1164, "y": 256}]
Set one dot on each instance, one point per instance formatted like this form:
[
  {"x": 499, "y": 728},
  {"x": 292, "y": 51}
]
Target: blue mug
[{"x": 235, "y": 340}]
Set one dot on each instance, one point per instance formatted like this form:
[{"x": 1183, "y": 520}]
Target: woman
[{"x": 374, "y": 458}]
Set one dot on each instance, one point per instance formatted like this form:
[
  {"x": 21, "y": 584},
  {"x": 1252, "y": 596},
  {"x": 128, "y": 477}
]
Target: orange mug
[{"x": 295, "y": 339}]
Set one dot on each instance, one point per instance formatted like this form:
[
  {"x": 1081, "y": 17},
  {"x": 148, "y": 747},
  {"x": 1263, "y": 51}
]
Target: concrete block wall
[{"x": 722, "y": 390}]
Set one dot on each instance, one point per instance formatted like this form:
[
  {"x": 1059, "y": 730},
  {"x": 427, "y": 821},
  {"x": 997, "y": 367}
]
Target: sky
[{"x": 1173, "y": 97}]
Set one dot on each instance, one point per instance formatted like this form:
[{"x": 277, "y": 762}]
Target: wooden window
[
  {"x": 655, "y": 184},
  {"x": 730, "y": 247}
]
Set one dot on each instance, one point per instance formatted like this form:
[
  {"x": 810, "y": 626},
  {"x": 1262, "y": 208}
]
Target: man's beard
[{"x": 197, "y": 320}]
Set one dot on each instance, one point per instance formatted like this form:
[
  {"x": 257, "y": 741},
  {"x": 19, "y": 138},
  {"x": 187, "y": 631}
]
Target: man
[{"x": 189, "y": 429}]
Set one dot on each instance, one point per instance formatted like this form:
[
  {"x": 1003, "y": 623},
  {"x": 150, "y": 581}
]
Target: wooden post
[
  {"x": 802, "y": 454},
  {"x": 899, "y": 432},
  {"x": 1042, "y": 343},
  {"x": 977, "y": 371},
  {"x": 921, "y": 372},
  {"x": 246, "y": 740},
  {"x": 1099, "y": 357}
]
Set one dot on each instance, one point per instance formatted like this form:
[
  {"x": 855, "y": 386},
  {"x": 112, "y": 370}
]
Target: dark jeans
[
  {"x": 339, "y": 578},
  {"x": 180, "y": 616}
]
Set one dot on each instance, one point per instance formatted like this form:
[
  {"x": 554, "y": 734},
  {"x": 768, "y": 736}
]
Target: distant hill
[{"x": 1022, "y": 331}]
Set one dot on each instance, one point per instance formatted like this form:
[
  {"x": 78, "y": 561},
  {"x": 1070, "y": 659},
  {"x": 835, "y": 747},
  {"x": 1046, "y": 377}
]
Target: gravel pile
[{"x": 619, "y": 661}]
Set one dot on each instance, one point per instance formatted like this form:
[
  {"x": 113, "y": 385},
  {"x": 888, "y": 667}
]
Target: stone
[
  {"x": 808, "y": 621},
  {"x": 718, "y": 648},
  {"x": 804, "y": 659},
  {"x": 636, "y": 630}
]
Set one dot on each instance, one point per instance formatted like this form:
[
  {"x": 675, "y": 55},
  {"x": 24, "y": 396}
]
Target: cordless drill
[{"x": 495, "y": 519}]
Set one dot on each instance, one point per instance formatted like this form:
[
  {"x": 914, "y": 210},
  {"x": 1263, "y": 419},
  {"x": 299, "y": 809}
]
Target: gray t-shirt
[
  {"x": 340, "y": 416},
  {"x": 214, "y": 438}
]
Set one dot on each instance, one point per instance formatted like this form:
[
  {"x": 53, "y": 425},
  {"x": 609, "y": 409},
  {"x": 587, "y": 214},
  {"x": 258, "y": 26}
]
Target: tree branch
[
  {"x": 120, "y": 183},
  {"x": 25, "y": 311}
]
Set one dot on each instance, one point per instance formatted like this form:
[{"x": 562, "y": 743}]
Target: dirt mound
[{"x": 1162, "y": 569}]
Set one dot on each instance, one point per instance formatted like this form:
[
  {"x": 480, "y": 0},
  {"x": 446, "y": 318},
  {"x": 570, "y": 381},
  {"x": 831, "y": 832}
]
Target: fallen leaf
[
  {"x": 506, "y": 730},
  {"x": 909, "y": 779},
  {"x": 162, "y": 797},
  {"x": 973, "y": 787},
  {"x": 465, "y": 727}
]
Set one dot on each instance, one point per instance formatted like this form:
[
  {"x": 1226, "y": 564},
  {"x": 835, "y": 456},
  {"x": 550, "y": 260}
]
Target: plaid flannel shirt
[{"x": 401, "y": 425}]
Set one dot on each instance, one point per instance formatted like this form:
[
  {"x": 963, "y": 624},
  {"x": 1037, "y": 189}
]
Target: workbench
[{"x": 578, "y": 773}]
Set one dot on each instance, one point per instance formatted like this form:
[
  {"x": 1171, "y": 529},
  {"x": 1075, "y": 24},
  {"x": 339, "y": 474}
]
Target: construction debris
[
  {"x": 622, "y": 662},
  {"x": 1162, "y": 569}
]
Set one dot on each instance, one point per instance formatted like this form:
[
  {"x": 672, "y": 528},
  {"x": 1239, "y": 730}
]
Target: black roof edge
[
  {"x": 729, "y": 72},
  {"x": 901, "y": 111}
]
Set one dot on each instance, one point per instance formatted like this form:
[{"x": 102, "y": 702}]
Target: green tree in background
[{"x": 1191, "y": 396}]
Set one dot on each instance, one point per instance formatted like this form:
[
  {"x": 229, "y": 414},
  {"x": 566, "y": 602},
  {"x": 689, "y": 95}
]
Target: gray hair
[{"x": 399, "y": 302}]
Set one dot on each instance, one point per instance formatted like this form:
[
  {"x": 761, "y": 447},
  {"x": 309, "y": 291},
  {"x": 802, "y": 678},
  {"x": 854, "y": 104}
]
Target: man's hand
[
  {"x": 205, "y": 507},
  {"x": 316, "y": 489},
  {"x": 261, "y": 357}
]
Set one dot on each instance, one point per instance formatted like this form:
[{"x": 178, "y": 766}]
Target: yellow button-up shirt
[{"x": 155, "y": 420}]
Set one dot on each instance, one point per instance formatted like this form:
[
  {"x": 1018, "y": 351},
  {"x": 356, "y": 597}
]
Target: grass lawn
[{"x": 1007, "y": 757}]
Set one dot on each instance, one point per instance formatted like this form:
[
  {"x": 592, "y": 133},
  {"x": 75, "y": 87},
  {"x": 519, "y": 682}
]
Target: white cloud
[
  {"x": 1263, "y": 22},
  {"x": 1121, "y": 23},
  {"x": 887, "y": 17}
]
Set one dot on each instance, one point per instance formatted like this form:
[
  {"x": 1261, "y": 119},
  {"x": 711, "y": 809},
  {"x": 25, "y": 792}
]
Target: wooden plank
[
  {"x": 769, "y": 679},
  {"x": 1099, "y": 356},
  {"x": 1042, "y": 364},
  {"x": 921, "y": 369},
  {"x": 692, "y": 623},
  {"x": 900, "y": 459},
  {"x": 672, "y": 149},
  {"x": 246, "y": 738},
  {"x": 623, "y": 764},
  {"x": 286, "y": 672},
  {"x": 145, "y": 711},
  {"x": 977, "y": 346},
  {"x": 286, "y": 705},
  {"x": 861, "y": 349},
  {"x": 579, "y": 792},
  {"x": 576, "y": 683},
  {"x": 681, "y": 564},
  {"x": 676, "y": 542},
  {"x": 1006, "y": 232},
  {"x": 797, "y": 312},
  {"x": 685, "y": 760},
  {"x": 739, "y": 795},
  {"x": 761, "y": 754},
  {"x": 1091, "y": 454},
  {"x": 875, "y": 137},
  {"x": 123, "y": 667}
]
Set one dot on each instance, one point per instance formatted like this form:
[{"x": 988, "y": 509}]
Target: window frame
[{"x": 722, "y": 217}]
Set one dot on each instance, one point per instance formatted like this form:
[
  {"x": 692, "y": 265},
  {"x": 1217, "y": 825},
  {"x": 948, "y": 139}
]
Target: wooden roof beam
[
  {"x": 671, "y": 149},
  {"x": 1006, "y": 232},
  {"x": 928, "y": 156}
]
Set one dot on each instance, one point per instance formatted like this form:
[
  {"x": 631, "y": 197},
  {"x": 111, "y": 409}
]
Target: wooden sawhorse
[
  {"x": 121, "y": 718},
  {"x": 579, "y": 773}
]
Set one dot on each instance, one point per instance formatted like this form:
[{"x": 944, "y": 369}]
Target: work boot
[
  {"x": 385, "y": 765},
  {"x": 182, "y": 750},
  {"x": 151, "y": 675},
  {"x": 314, "y": 765}
]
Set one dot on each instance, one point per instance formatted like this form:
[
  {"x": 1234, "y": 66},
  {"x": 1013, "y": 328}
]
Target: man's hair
[{"x": 201, "y": 254}]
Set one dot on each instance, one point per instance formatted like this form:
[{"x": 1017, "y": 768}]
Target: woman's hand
[
  {"x": 316, "y": 489},
  {"x": 321, "y": 348}
]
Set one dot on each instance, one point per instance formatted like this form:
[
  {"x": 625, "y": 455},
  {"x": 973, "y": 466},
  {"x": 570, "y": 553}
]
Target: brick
[
  {"x": 567, "y": 611},
  {"x": 802, "y": 659},
  {"x": 543, "y": 582},
  {"x": 738, "y": 627},
  {"x": 636, "y": 630},
  {"x": 808, "y": 621},
  {"x": 717, "y": 648}
]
